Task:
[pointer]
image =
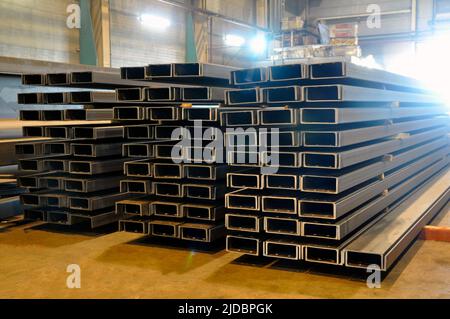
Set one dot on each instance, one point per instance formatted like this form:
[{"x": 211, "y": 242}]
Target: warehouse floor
[{"x": 33, "y": 261}]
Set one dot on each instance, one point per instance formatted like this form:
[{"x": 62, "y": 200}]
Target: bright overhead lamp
[{"x": 258, "y": 44}]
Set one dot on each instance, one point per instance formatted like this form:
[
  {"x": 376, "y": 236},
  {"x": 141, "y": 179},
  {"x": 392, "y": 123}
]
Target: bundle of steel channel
[
  {"x": 73, "y": 175},
  {"x": 343, "y": 148},
  {"x": 178, "y": 183}
]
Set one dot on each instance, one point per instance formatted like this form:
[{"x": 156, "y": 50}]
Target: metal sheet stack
[
  {"x": 178, "y": 181},
  {"x": 73, "y": 174},
  {"x": 351, "y": 145}
]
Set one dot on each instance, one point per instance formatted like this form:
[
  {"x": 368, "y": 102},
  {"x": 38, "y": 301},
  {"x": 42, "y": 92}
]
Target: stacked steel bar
[
  {"x": 369, "y": 141},
  {"x": 179, "y": 181},
  {"x": 74, "y": 175}
]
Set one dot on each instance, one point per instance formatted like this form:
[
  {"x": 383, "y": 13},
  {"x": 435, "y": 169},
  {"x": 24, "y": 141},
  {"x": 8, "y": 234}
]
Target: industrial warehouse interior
[{"x": 251, "y": 150}]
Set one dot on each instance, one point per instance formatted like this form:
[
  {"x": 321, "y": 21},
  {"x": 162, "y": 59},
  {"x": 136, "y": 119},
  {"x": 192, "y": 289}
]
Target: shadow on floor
[{"x": 163, "y": 255}]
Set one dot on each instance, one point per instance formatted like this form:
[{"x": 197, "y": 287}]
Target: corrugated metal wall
[
  {"x": 36, "y": 29},
  {"x": 135, "y": 44}
]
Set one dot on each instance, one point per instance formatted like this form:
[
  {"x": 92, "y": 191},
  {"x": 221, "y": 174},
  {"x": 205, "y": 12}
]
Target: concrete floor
[{"x": 33, "y": 261}]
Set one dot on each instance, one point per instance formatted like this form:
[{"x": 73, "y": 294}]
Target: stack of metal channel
[
  {"x": 178, "y": 181},
  {"x": 354, "y": 145},
  {"x": 73, "y": 176}
]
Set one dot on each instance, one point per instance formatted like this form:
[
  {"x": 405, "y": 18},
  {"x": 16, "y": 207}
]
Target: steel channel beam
[
  {"x": 52, "y": 181},
  {"x": 140, "y": 150},
  {"x": 360, "y": 135},
  {"x": 173, "y": 190},
  {"x": 285, "y": 94},
  {"x": 243, "y": 199},
  {"x": 132, "y": 186},
  {"x": 30, "y": 115},
  {"x": 55, "y": 98},
  {"x": 288, "y": 72},
  {"x": 30, "y": 98},
  {"x": 245, "y": 181},
  {"x": 134, "y": 226},
  {"x": 164, "y": 228},
  {"x": 63, "y": 132},
  {"x": 32, "y": 165},
  {"x": 244, "y": 223},
  {"x": 346, "y": 70},
  {"x": 383, "y": 243},
  {"x": 96, "y": 150},
  {"x": 93, "y": 203},
  {"x": 164, "y": 113},
  {"x": 252, "y": 96},
  {"x": 96, "y": 167},
  {"x": 104, "y": 80},
  {"x": 167, "y": 209},
  {"x": 97, "y": 133},
  {"x": 246, "y": 245},
  {"x": 202, "y": 70},
  {"x": 27, "y": 150},
  {"x": 243, "y": 159},
  {"x": 284, "y": 159},
  {"x": 162, "y": 94},
  {"x": 89, "y": 114},
  {"x": 283, "y": 249},
  {"x": 239, "y": 118},
  {"x": 52, "y": 115},
  {"x": 339, "y": 160},
  {"x": 164, "y": 132},
  {"x": 140, "y": 168},
  {"x": 145, "y": 132},
  {"x": 207, "y": 192},
  {"x": 57, "y": 79},
  {"x": 282, "y": 226},
  {"x": 249, "y": 76},
  {"x": 347, "y": 93},
  {"x": 56, "y": 164},
  {"x": 204, "y": 114},
  {"x": 279, "y": 116},
  {"x": 133, "y": 73},
  {"x": 134, "y": 208},
  {"x": 333, "y": 116},
  {"x": 280, "y": 205},
  {"x": 197, "y": 94},
  {"x": 282, "y": 181},
  {"x": 33, "y": 79},
  {"x": 57, "y": 148},
  {"x": 205, "y": 172},
  {"x": 33, "y": 131},
  {"x": 86, "y": 97},
  {"x": 159, "y": 70},
  {"x": 95, "y": 221},
  {"x": 130, "y": 113},
  {"x": 83, "y": 185},
  {"x": 130, "y": 94},
  {"x": 342, "y": 228},
  {"x": 280, "y": 139},
  {"x": 203, "y": 212},
  {"x": 336, "y": 183},
  {"x": 168, "y": 171},
  {"x": 201, "y": 232},
  {"x": 59, "y": 218}
]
